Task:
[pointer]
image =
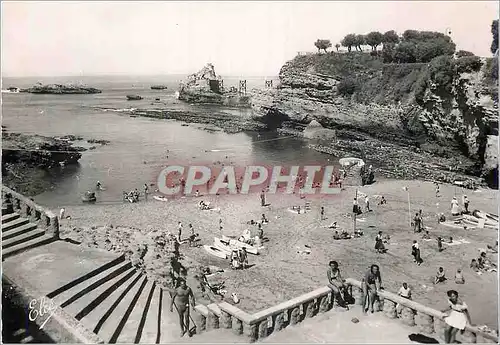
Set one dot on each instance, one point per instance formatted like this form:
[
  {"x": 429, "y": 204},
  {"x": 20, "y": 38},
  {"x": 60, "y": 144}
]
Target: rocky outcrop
[
  {"x": 61, "y": 89},
  {"x": 465, "y": 117},
  {"x": 382, "y": 108},
  {"x": 206, "y": 87},
  {"x": 316, "y": 131},
  {"x": 27, "y": 161}
]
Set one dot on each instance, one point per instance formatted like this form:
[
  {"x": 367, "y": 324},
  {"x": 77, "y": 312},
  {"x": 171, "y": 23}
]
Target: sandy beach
[{"x": 281, "y": 273}]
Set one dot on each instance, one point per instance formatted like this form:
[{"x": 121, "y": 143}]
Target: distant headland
[{"x": 60, "y": 89}]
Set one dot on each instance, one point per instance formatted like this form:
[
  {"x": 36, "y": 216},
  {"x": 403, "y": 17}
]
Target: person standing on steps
[
  {"x": 146, "y": 191},
  {"x": 181, "y": 298}
]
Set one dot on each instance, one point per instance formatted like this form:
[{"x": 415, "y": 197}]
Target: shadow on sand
[{"x": 422, "y": 339}]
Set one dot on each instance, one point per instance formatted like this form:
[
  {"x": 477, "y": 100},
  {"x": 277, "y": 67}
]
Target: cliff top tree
[
  {"x": 349, "y": 41},
  {"x": 494, "y": 31},
  {"x": 322, "y": 44},
  {"x": 373, "y": 39},
  {"x": 390, "y": 37},
  {"x": 462, "y": 53},
  {"x": 359, "y": 41}
]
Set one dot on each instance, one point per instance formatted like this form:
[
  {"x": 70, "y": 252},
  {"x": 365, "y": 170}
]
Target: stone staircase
[
  {"x": 120, "y": 305},
  {"x": 19, "y": 234}
]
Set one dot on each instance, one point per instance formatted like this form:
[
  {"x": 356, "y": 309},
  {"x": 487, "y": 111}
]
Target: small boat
[
  {"x": 223, "y": 245},
  {"x": 158, "y": 87},
  {"x": 160, "y": 198},
  {"x": 238, "y": 244},
  {"x": 134, "y": 97},
  {"x": 215, "y": 251}
]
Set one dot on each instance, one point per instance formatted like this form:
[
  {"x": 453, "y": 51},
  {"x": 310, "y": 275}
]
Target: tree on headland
[
  {"x": 390, "y": 37},
  {"x": 494, "y": 32},
  {"x": 349, "y": 41},
  {"x": 374, "y": 39},
  {"x": 322, "y": 44},
  {"x": 337, "y": 46},
  {"x": 463, "y": 53},
  {"x": 418, "y": 46},
  {"x": 360, "y": 40}
]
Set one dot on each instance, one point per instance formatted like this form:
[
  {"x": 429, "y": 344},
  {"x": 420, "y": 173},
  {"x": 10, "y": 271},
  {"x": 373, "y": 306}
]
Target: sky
[{"x": 66, "y": 38}]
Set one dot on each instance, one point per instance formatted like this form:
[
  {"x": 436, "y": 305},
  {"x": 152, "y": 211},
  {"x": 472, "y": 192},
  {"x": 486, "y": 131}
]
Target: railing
[
  {"x": 27, "y": 208},
  {"x": 263, "y": 323}
]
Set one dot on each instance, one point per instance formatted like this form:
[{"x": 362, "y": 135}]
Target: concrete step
[
  {"x": 86, "y": 276},
  {"x": 134, "y": 326},
  {"x": 8, "y": 217},
  {"x": 151, "y": 331},
  {"x": 17, "y": 231},
  {"x": 98, "y": 316},
  {"x": 94, "y": 298},
  {"x": 113, "y": 326},
  {"x": 4, "y": 211},
  {"x": 22, "y": 238},
  {"x": 218, "y": 336},
  {"x": 36, "y": 242},
  {"x": 170, "y": 328},
  {"x": 73, "y": 294},
  {"x": 14, "y": 224}
]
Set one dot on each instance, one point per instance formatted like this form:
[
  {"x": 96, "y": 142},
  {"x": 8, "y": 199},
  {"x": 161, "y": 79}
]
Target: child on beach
[
  {"x": 459, "y": 277},
  {"x": 440, "y": 276}
]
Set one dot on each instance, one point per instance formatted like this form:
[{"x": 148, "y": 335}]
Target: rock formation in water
[
  {"x": 27, "y": 161},
  {"x": 375, "y": 105},
  {"x": 205, "y": 86},
  {"x": 61, "y": 89}
]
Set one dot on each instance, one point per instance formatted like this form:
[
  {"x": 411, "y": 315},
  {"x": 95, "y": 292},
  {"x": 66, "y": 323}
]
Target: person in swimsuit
[
  {"x": 181, "y": 298},
  {"x": 336, "y": 284},
  {"x": 457, "y": 318},
  {"x": 372, "y": 283},
  {"x": 404, "y": 292}
]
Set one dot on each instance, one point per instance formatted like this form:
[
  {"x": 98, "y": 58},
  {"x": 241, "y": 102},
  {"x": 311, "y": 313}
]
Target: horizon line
[{"x": 130, "y": 75}]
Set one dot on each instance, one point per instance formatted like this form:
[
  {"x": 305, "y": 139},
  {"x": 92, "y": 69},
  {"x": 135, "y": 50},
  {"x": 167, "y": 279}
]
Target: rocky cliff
[
  {"x": 438, "y": 114},
  {"x": 28, "y": 161},
  {"x": 206, "y": 87}
]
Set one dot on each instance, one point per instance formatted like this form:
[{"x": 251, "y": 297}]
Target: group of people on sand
[
  {"x": 239, "y": 259},
  {"x": 483, "y": 263},
  {"x": 202, "y": 205}
]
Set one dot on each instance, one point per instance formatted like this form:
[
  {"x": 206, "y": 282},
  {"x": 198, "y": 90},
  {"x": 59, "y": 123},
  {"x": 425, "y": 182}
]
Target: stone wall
[
  {"x": 27, "y": 208},
  {"x": 261, "y": 324}
]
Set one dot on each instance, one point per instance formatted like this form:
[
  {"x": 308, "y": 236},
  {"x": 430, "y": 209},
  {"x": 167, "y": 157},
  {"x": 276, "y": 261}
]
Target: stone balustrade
[
  {"x": 27, "y": 208},
  {"x": 263, "y": 323},
  {"x": 427, "y": 320}
]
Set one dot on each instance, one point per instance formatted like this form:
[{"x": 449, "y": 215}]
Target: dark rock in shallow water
[
  {"x": 61, "y": 89},
  {"x": 29, "y": 160}
]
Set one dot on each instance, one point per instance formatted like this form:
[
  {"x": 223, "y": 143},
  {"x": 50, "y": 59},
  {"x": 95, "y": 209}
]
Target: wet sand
[{"x": 280, "y": 273}]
